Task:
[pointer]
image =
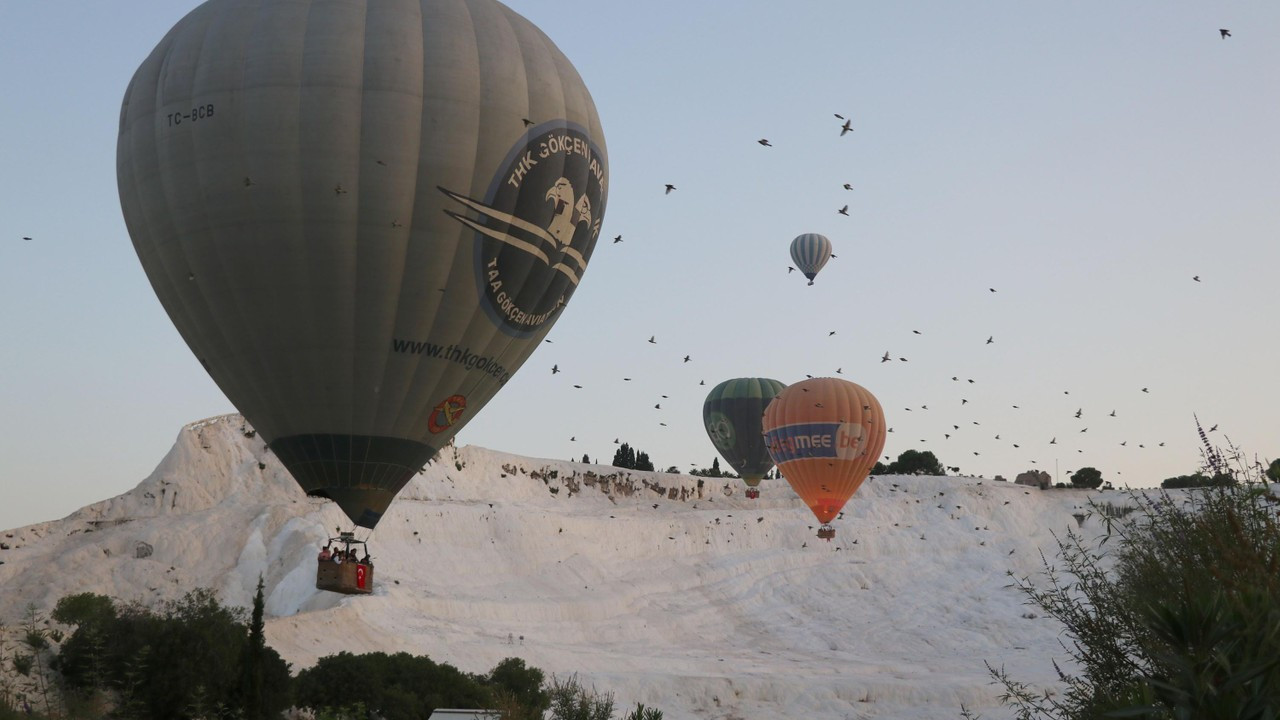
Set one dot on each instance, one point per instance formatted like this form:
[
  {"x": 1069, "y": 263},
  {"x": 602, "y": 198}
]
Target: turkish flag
[{"x": 360, "y": 573}]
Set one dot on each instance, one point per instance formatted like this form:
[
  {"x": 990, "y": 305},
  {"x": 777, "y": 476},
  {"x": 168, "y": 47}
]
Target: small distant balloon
[{"x": 810, "y": 252}]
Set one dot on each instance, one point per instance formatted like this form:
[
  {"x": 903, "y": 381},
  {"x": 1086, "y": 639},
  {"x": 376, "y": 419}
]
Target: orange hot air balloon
[{"x": 824, "y": 435}]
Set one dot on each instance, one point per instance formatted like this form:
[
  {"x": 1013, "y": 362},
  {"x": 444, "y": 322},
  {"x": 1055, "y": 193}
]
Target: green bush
[
  {"x": 571, "y": 701},
  {"x": 1087, "y": 477},
  {"x": 191, "y": 652},
  {"x": 396, "y": 687},
  {"x": 1180, "y": 620},
  {"x": 916, "y": 462}
]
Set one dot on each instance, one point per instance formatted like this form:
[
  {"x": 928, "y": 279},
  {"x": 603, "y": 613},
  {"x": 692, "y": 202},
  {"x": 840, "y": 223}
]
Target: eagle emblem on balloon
[{"x": 537, "y": 225}]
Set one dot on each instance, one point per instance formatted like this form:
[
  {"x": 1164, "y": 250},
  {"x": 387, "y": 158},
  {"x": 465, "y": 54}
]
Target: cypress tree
[{"x": 253, "y": 665}]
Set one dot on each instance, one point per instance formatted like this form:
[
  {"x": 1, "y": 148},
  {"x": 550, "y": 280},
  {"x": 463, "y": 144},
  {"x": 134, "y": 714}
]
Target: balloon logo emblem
[
  {"x": 537, "y": 225},
  {"x": 721, "y": 431},
  {"x": 444, "y": 415}
]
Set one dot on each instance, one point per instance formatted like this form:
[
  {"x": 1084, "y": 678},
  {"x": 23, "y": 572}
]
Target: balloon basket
[
  {"x": 752, "y": 493},
  {"x": 826, "y": 532},
  {"x": 347, "y": 577}
]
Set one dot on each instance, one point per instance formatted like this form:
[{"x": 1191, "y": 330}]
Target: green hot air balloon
[
  {"x": 361, "y": 216},
  {"x": 732, "y": 414}
]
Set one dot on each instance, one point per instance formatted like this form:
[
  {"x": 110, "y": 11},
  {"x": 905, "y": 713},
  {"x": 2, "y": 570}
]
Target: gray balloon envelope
[{"x": 362, "y": 217}]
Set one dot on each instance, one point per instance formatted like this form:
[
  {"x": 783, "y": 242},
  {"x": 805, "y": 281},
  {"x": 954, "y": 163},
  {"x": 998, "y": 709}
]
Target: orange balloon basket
[
  {"x": 826, "y": 532},
  {"x": 752, "y": 493}
]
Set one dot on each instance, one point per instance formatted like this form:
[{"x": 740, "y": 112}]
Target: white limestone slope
[{"x": 708, "y": 605}]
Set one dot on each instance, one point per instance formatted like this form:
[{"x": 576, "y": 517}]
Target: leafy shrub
[
  {"x": 571, "y": 701},
  {"x": 916, "y": 462},
  {"x": 1087, "y": 477},
  {"x": 1181, "y": 620},
  {"x": 190, "y": 652}
]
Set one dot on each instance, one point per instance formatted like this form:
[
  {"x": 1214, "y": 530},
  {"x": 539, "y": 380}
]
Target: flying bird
[
  {"x": 578, "y": 386},
  {"x": 555, "y": 369},
  {"x": 886, "y": 357},
  {"x": 657, "y": 406},
  {"x": 1224, "y": 33},
  {"x": 1145, "y": 390},
  {"x": 839, "y": 371},
  {"x": 844, "y": 210},
  {"x": 991, "y": 339},
  {"x": 527, "y": 122},
  {"x": 916, "y": 332},
  {"x": 847, "y": 186},
  {"x": 339, "y": 190},
  {"x": 765, "y": 142},
  {"x": 1215, "y": 427},
  {"x": 1196, "y": 278},
  {"x": 670, "y": 187},
  {"x": 790, "y": 269},
  {"x": 839, "y": 116},
  {"x": 573, "y": 439},
  {"x": 651, "y": 339},
  {"x": 1079, "y": 412},
  {"x": 1113, "y": 413},
  {"x": 1053, "y": 441},
  {"x": 846, "y": 127},
  {"x": 686, "y": 358},
  {"x": 248, "y": 182},
  {"x": 617, "y": 239},
  {"x": 992, "y": 289},
  {"x": 24, "y": 237}
]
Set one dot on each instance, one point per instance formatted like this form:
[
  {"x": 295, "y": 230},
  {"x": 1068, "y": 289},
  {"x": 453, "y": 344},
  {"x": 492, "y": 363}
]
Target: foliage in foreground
[
  {"x": 192, "y": 658},
  {"x": 1180, "y": 620}
]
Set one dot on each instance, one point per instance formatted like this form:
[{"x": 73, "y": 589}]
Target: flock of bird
[{"x": 946, "y": 442}]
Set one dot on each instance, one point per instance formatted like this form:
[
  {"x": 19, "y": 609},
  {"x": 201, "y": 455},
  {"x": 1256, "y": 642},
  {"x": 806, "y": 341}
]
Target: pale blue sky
[{"x": 1084, "y": 159}]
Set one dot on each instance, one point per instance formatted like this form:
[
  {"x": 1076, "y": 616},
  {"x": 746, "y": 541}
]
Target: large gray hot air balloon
[{"x": 362, "y": 217}]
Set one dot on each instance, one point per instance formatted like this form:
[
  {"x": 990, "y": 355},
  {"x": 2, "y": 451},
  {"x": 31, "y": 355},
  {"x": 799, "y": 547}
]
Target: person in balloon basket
[{"x": 325, "y": 555}]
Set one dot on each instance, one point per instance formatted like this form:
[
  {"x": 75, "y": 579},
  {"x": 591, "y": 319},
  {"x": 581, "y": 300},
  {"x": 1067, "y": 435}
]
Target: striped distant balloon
[
  {"x": 810, "y": 252},
  {"x": 824, "y": 434},
  {"x": 362, "y": 216},
  {"x": 731, "y": 414}
]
